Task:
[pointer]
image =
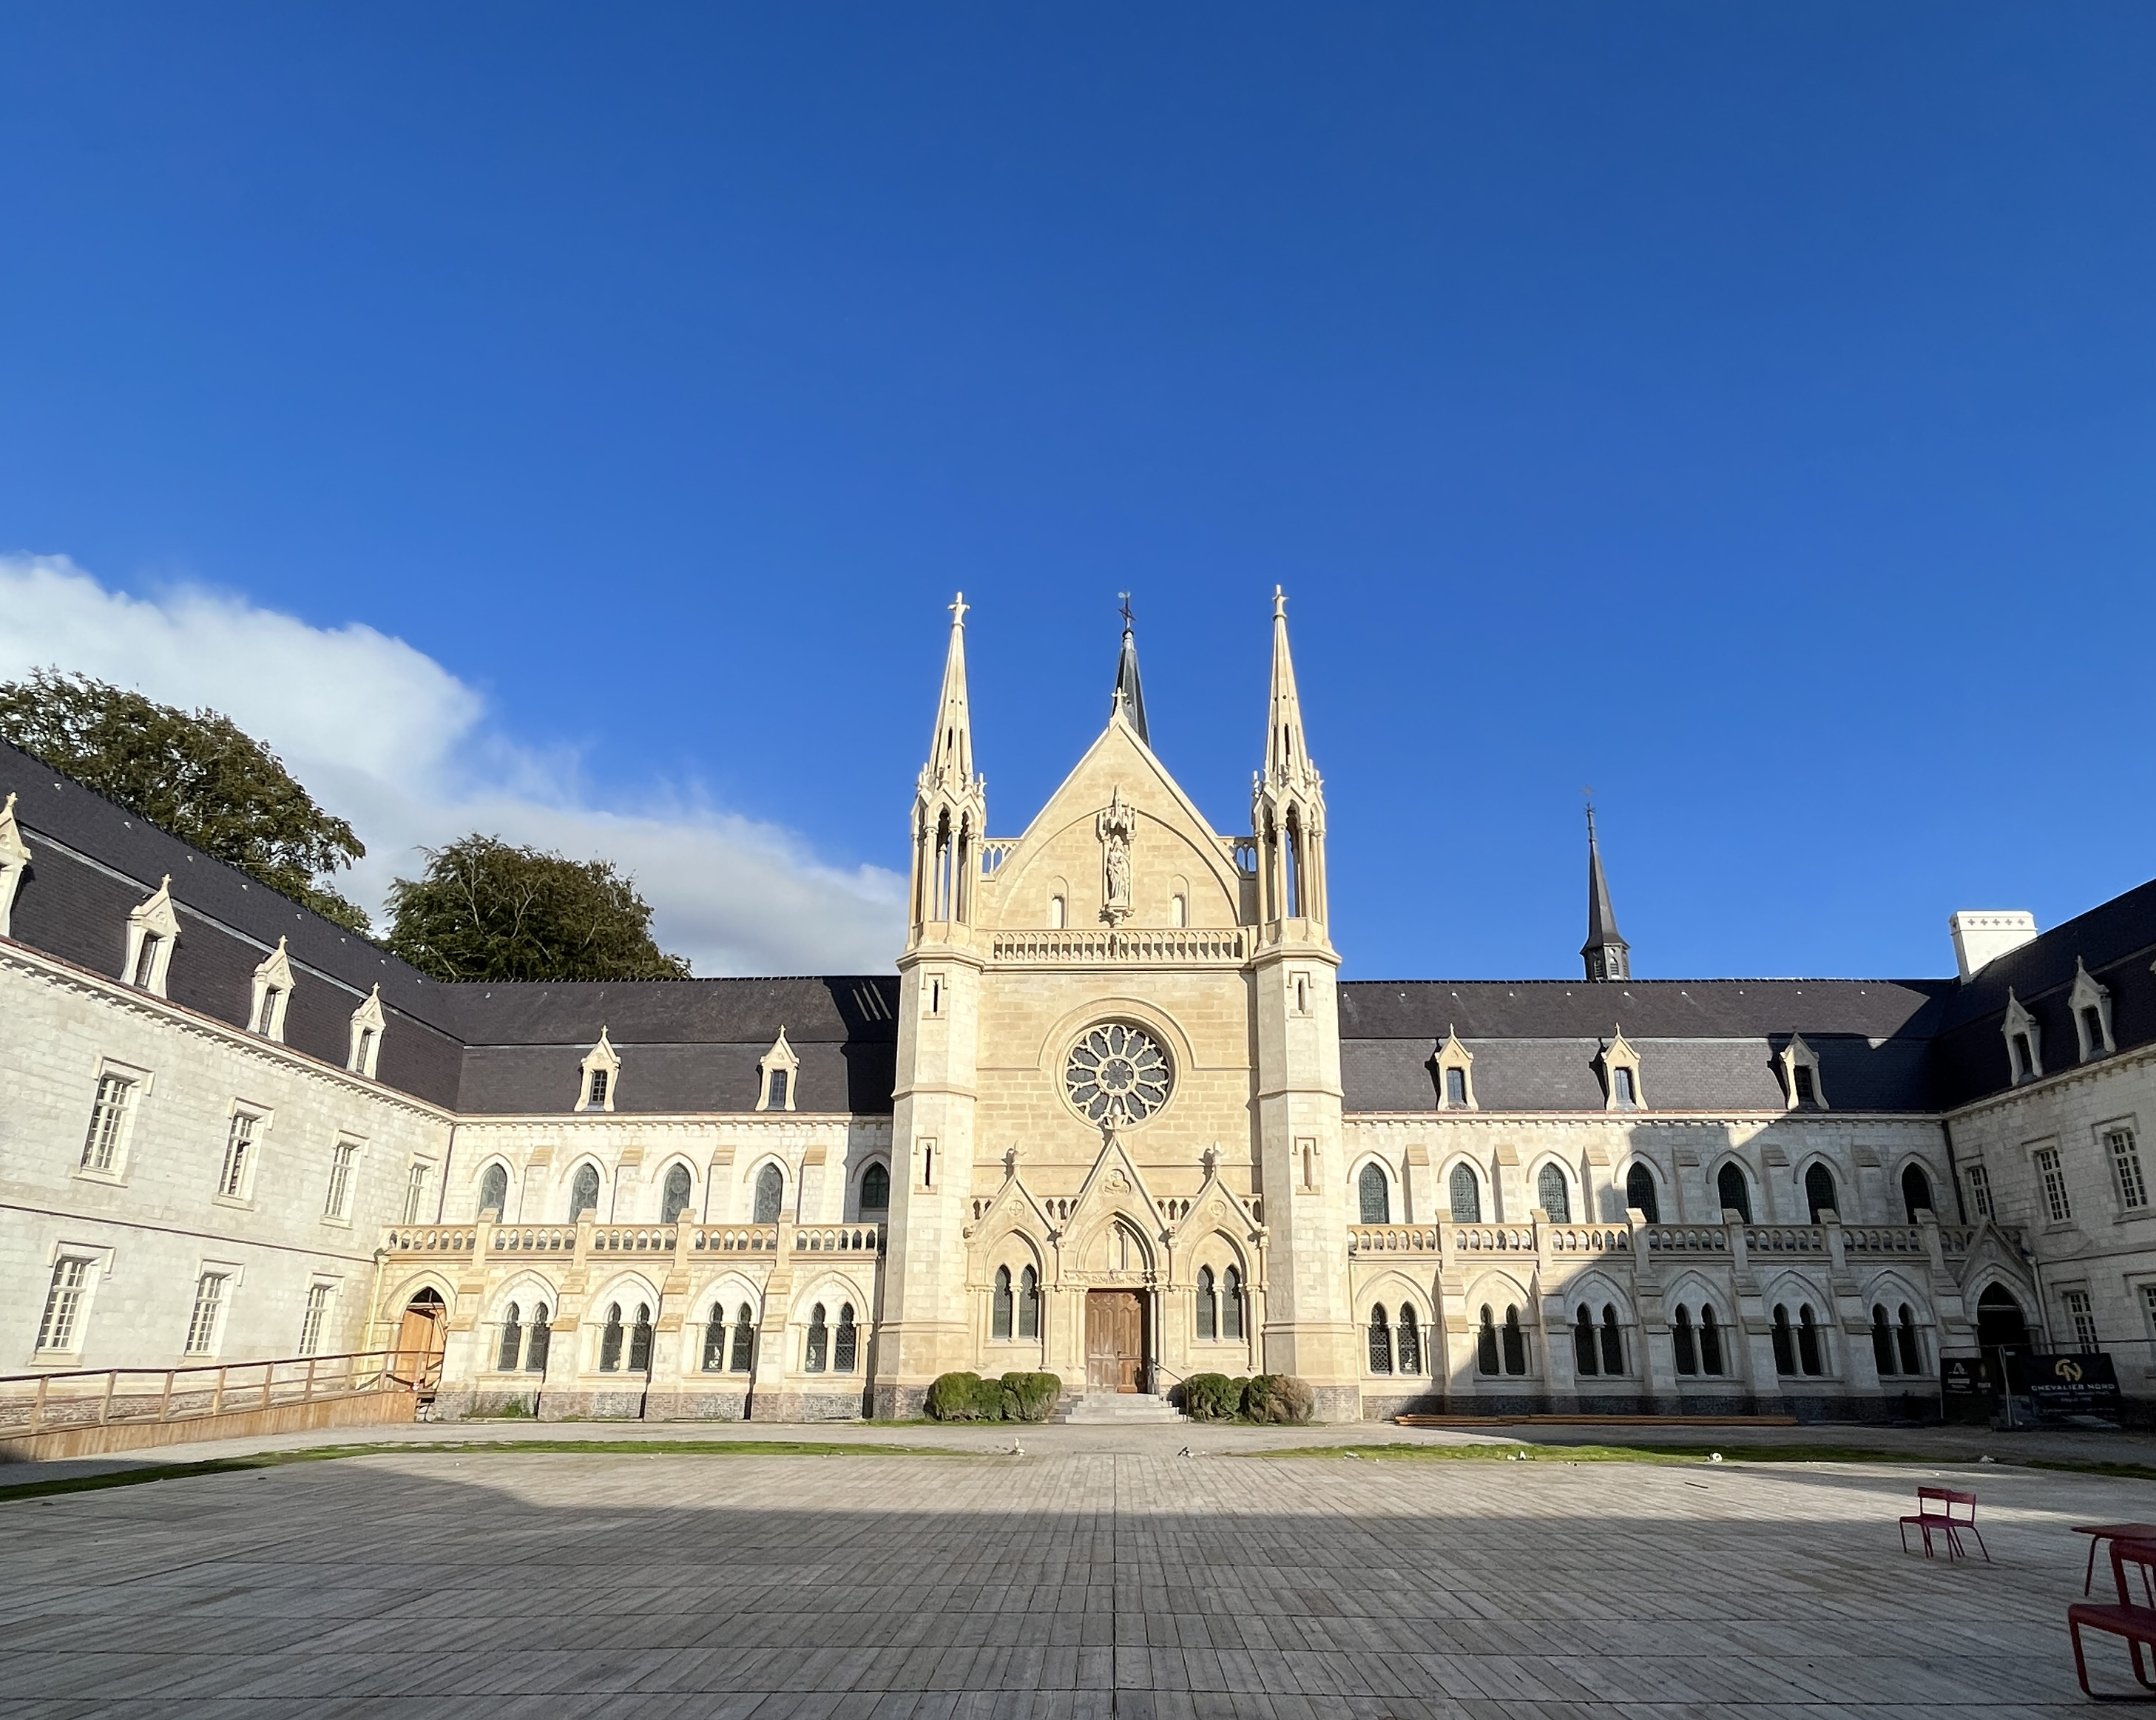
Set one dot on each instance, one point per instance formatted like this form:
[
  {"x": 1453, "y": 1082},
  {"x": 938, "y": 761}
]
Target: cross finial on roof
[
  {"x": 1127, "y": 617},
  {"x": 1280, "y": 601},
  {"x": 958, "y": 610}
]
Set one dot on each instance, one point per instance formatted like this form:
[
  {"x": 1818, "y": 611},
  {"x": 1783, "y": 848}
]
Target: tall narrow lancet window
[
  {"x": 675, "y": 1200},
  {"x": 714, "y": 1340},
  {"x": 1028, "y": 1303},
  {"x": 845, "y": 1346},
  {"x": 1613, "y": 1341},
  {"x": 1916, "y": 1192},
  {"x": 1410, "y": 1341},
  {"x": 1208, "y": 1306},
  {"x": 1882, "y": 1342},
  {"x": 1554, "y": 1194},
  {"x": 584, "y": 1193},
  {"x": 770, "y": 1192},
  {"x": 1640, "y": 1194},
  {"x": 1377, "y": 1195},
  {"x": 1906, "y": 1340},
  {"x": 1586, "y": 1357},
  {"x": 610, "y": 1340},
  {"x": 875, "y": 1191},
  {"x": 1810, "y": 1349},
  {"x": 1819, "y": 1191},
  {"x": 1486, "y": 1344},
  {"x": 1231, "y": 1304},
  {"x": 819, "y": 1339},
  {"x": 744, "y": 1345},
  {"x": 1466, "y": 1196},
  {"x": 541, "y": 1341},
  {"x": 1709, "y": 1343},
  {"x": 999, "y": 1305},
  {"x": 512, "y": 1340},
  {"x": 1785, "y": 1342},
  {"x": 1381, "y": 1341},
  {"x": 493, "y": 1189},
  {"x": 1733, "y": 1192},
  {"x": 1515, "y": 1342},
  {"x": 1685, "y": 1341},
  {"x": 639, "y": 1340}
]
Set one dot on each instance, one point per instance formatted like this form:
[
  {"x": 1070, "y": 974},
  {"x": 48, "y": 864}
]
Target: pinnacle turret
[
  {"x": 950, "y": 804},
  {"x": 1606, "y": 953},
  {"x": 1287, "y": 803},
  {"x": 1130, "y": 694}
]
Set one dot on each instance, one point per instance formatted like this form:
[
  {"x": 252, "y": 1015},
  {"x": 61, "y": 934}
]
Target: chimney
[{"x": 1981, "y": 938}]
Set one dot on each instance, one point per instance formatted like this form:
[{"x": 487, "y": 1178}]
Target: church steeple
[
  {"x": 1288, "y": 805},
  {"x": 1130, "y": 694},
  {"x": 1606, "y": 954},
  {"x": 950, "y": 802}
]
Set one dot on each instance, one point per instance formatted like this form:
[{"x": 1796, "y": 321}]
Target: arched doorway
[
  {"x": 417, "y": 1362},
  {"x": 2000, "y": 1324}
]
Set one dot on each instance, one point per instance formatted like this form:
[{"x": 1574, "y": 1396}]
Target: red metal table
[{"x": 2098, "y": 1533}]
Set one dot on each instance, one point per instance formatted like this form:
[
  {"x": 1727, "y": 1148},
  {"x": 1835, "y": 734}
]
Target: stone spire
[
  {"x": 1130, "y": 694},
  {"x": 1606, "y": 954},
  {"x": 1287, "y": 758},
  {"x": 950, "y": 803},
  {"x": 1288, "y": 805},
  {"x": 950, "y": 752}
]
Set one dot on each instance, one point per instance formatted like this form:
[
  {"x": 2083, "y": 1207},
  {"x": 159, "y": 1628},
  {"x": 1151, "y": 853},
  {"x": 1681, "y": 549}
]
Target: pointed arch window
[
  {"x": 610, "y": 1341},
  {"x": 1586, "y": 1355},
  {"x": 1685, "y": 1341},
  {"x": 1381, "y": 1341},
  {"x": 1028, "y": 1303},
  {"x": 875, "y": 1190},
  {"x": 1466, "y": 1191},
  {"x": 1376, "y": 1193},
  {"x": 744, "y": 1345},
  {"x": 639, "y": 1340},
  {"x": 1709, "y": 1343},
  {"x": 1613, "y": 1340},
  {"x": 1410, "y": 1341},
  {"x": 1208, "y": 1306},
  {"x": 1811, "y": 1355},
  {"x": 675, "y": 1199},
  {"x": 714, "y": 1340},
  {"x": 1883, "y": 1355},
  {"x": 493, "y": 1189},
  {"x": 541, "y": 1341},
  {"x": 999, "y": 1305},
  {"x": 845, "y": 1348},
  {"x": 770, "y": 1194},
  {"x": 1733, "y": 1192},
  {"x": 1916, "y": 1192},
  {"x": 584, "y": 1193},
  {"x": 1231, "y": 1304},
  {"x": 1640, "y": 1194},
  {"x": 820, "y": 1341},
  {"x": 1819, "y": 1192},
  {"x": 1554, "y": 1194},
  {"x": 1909, "y": 1342},
  {"x": 1514, "y": 1338},
  {"x": 512, "y": 1340},
  {"x": 1486, "y": 1344},
  {"x": 1785, "y": 1343}
]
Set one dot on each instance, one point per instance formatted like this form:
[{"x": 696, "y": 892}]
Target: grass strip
[{"x": 322, "y": 1454}]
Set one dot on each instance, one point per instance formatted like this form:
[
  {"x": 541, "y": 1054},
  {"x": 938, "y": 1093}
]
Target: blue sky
[{"x": 1745, "y": 410}]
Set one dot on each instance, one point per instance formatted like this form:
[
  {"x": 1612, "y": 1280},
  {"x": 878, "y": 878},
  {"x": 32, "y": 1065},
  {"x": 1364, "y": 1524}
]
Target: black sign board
[
  {"x": 2068, "y": 1385},
  {"x": 1969, "y": 1388}
]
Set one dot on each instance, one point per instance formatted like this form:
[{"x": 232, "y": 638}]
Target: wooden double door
[{"x": 1115, "y": 1328}]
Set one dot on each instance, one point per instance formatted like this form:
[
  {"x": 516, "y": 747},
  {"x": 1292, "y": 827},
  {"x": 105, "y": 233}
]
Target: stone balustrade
[
  {"x": 1118, "y": 947},
  {"x": 590, "y": 1242},
  {"x": 1446, "y": 1239}
]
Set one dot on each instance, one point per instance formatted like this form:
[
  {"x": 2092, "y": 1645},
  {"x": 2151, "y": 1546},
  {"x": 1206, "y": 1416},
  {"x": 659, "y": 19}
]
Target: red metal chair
[
  {"x": 2128, "y": 1618},
  {"x": 1941, "y": 1511}
]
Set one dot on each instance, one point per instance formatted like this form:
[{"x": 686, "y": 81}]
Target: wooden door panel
[{"x": 1115, "y": 1341}]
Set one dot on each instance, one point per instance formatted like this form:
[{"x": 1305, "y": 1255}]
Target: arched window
[
  {"x": 1911, "y": 1345},
  {"x": 844, "y": 1352},
  {"x": 639, "y": 1341},
  {"x": 541, "y": 1340},
  {"x": 1554, "y": 1193},
  {"x": 1515, "y": 1342},
  {"x": 1810, "y": 1350},
  {"x": 1466, "y": 1196},
  {"x": 999, "y": 1305},
  {"x": 1640, "y": 1194},
  {"x": 1377, "y": 1195},
  {"x": 1785, "y": 1342},
  {"x": 1208, "y": 1305},
  {"x": 1734, "y": 1192},
  {"x": 1882, "y": 1341},
  {"x": 1486, "y": 1345},
  {"x": 1709, "y": 1343},
  {"x": 819, "y": 1339},
  {"x": 675, "y": 1201},
  {"x": 714, "y": 1340},
  {"x": 610, "y": 1341},
  {"x": 1585, "y": 1358},
  {"x": 1410, "y": 1341},
  {"x": 875, "y": 1190},
  {"x": 1819, "y": 1191},
  {"x": 770, "y": 1192},
  {"x": 512, "y": 1340},
  {"x": 584, "y": 1192},
  {"x": 744, "y": 1350},
  {"x": 1916, "y": 1192},
  {"x": 493, "y": 1189},
  {"x": 1231, "y": 1305},
  {"x": 1685, "y": 1341},
  {"x": 1028, "y": 1303},
  {"x": 1056, "y": 912},
  {"x": 1613, "y": 1341},
  {"x": 1381, "y": 1341}
]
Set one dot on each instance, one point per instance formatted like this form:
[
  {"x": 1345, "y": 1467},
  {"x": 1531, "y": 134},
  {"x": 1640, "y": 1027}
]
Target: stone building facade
[{"x": 1116, "y": 1116}]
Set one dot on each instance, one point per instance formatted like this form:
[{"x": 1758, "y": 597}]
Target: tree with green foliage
[
  {"x": 486, "y": 911},
  {"x": 194, "y": 773}
]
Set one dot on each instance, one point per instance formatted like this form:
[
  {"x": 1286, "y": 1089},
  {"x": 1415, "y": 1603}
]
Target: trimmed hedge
[
  {"x": 1015, "y": 1397},
  {"x": 1213, "y": 1397},
  {"x": 1279, "y": 1398}
]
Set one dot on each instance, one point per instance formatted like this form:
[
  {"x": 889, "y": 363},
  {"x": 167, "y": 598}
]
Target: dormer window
[
  {"x": 1624, "y": 1089},
  {"x": 1802, "y": 1089},
  {"x": 776, "y": 1074},
  {"x": 1455, "y": 1088},
  {"x": 2091, "y": 1004},
  {"x": 595, "y": 1075},
  {"x": 595, "y": 1099},
  {"x": 2025, "y": 1059},
  {"x": 2025, "y": 1044},
  {"x": 153, "y": 930},
  {"x": 1807, "y": 1087},
  {"x": 1454, "y": 1065},
  {"x": 366, "y": 1027},
  {"x": 1621, "y": 1087},
  {"x": 273, "y": 990},
  {"x": 14, "y": 861}
]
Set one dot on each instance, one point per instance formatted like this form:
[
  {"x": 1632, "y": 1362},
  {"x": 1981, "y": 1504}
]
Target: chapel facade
[{"x": 1117, "y": 1116}]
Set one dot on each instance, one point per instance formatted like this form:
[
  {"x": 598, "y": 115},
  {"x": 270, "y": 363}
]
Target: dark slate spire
[
  {"x": 1606, "y": 954},
  {"x": 1130, "y": 696}
]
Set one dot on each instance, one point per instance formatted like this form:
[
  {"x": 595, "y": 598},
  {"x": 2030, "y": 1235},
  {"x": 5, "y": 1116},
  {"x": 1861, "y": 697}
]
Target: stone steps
[{"x": 1121, "y": 1408}]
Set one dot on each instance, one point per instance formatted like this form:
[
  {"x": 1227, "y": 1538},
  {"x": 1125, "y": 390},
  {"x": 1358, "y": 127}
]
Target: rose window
[{"x": 1116, "y": 1074}]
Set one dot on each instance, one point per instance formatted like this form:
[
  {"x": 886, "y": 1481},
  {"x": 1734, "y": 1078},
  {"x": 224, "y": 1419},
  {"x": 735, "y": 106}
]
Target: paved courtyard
[{"x": 1070, "y": 1582}]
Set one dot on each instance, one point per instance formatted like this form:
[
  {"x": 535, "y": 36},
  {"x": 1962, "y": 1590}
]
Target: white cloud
[{"x": 385, "y": 737}]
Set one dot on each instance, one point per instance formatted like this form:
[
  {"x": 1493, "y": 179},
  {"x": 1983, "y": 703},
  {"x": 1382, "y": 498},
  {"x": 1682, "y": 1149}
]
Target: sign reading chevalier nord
[{"x": 2068, "y": 1385}]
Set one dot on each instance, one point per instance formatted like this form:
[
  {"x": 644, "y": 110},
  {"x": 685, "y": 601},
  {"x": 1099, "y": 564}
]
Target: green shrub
[
  {"x": 1279, "y": 1398},
  {"x": 1213, "y": 1397},
  {"x": 994, "y": 1401},
  {"x": 1035, "y": 1394},
  {"x": 952, "y": 1397}
]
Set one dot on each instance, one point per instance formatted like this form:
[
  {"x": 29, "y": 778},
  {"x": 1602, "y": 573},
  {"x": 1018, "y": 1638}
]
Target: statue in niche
[{"x": 1114, "y": 826}]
